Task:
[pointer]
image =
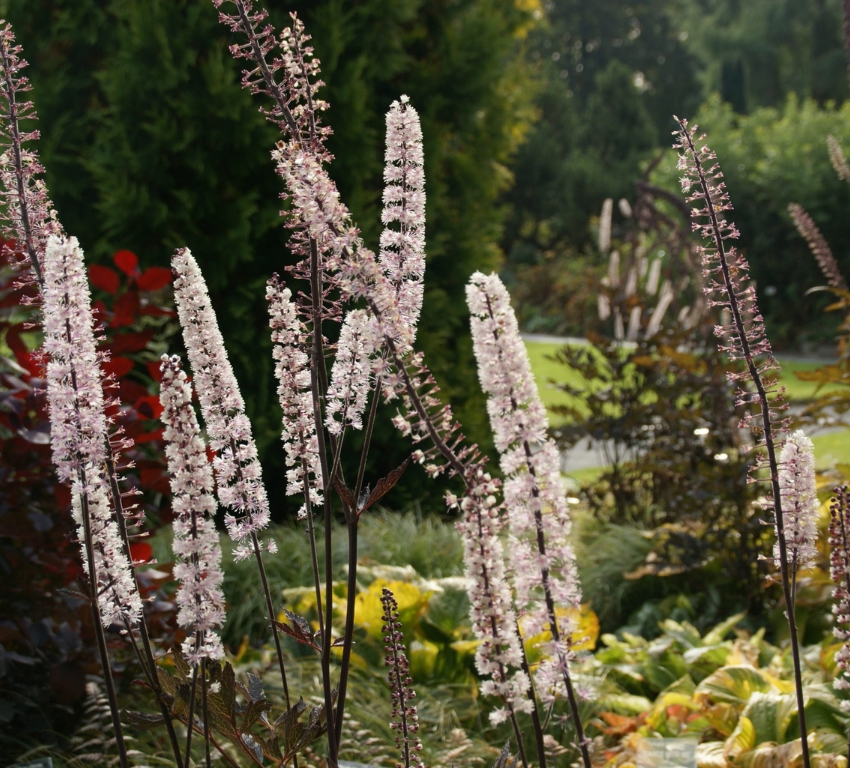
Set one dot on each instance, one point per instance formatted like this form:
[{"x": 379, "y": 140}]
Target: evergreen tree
[
  {"x": 754, "y": 53},
  {"x": 150, "y": 143}
]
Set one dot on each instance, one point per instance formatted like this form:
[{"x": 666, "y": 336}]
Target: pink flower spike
[
  {"x": 78, "y": 428},
  {"x": 27, "y": 212},
  {"x": 237, "y": 468},
  {"x": 200, "y": 599},
  {"x": 543, "y": 567},
  {"x": 402, "y": 254},
  {"x": 292, "y": 369},
  {"x": 799, "y": 501}
]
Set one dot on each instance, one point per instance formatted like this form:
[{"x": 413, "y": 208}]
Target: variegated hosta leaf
[
  {"x": 773, "y": 756},
  {"x": 743, "y": 739},
  {"x": 736, "y": 684},
  {"x": 770, "y": 714},
  {"x": 710, "y": 755}
]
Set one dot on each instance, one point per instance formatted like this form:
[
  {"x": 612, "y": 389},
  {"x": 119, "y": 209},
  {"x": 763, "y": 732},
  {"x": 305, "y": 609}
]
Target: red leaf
[
  {"x": 100, "y": 311},
  {"x": 15, "y": 343},
  {"x": 152, "y": 309},
  {"x": 104, "y": 278},
  {"x": 131, "y": 391},
  {"x": 154, "y": 478},
  {"x": 127, "y": 262},
  {"x": 149, "y": 407},
  {"x": 32, "y": 362},
  {"x": 63, "y": 496},
  {"x": 149, "y": 437},
  {"x": 118, "y": 366},
  {"x": 141, "y": 551},
  {"x": 153, "y": 370},
  {"x": 126, "y": 309},
  {"x": 130, "y": 342},
  {"x": 154, "y": 278}
]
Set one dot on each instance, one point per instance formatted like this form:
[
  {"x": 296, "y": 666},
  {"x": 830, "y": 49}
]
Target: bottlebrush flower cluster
[
  {"x": 78, "y": 434},
  {"x": 799, "y": 500},
  {"x": 404, "y": 719},
  {"x": 199, "y": 597},
  {"x": 402, "y": 253},
  {"x": 727, "y": 283},
  {"x": 237, "y": 469},
  {"x": 26, "y": 210},
  {"x": 294, "y": 392},
  {"x": 819, "y": 247},
  {"x": 839, "y": 569},
  {"x": 542, "y": 560},
  {"x": 491, "y": 611},
  {"x": 350, "y": 376}
]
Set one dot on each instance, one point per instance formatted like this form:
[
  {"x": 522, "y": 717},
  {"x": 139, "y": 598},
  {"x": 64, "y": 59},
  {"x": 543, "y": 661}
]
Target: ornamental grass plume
[
  {"x": 542, "y": 561},
  {"x": 200, "y": 599},
  {"x": 744, "y": 338}
]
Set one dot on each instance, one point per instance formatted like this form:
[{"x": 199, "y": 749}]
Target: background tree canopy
[
  {"x": 150, "y": 143},
  {"x": 533, "y": 113}
]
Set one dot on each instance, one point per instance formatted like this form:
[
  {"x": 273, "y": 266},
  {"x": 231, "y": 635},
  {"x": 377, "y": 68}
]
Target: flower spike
[
  {"x": 199, "y": 597},
  {"x": 27, "y": 213},
  {"x": 237, "y": 468},
  {"x": 78, "y": 433}
]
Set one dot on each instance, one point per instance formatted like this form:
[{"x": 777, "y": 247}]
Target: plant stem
[
  {"x": 191, "y": 715},
  {"x": 149, "y": 668},
  {"x": 98, "y": 627},
  {"x": 19, "y": 166},
  {"x": 353, "y": 522},
  {"x": 535, "y": 712},
  {"x": 205, "y": 713},
  {"x": 318, "y": 385},
  {"x": 767, "y": 428}
]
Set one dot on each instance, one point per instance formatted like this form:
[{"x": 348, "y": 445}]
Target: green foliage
[
  {"x": 769, "y": 158},
  {"x": 150, "y": 143},
  {"x": 666, "y": 422},
  {"x": 754, "y": 53},
  {"x": 734, "y": 694}
]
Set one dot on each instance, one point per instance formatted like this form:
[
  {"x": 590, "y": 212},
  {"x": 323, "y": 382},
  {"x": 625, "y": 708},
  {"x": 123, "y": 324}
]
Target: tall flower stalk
[
  {"x": 839, "y": 570},
  {"x": 200, "y": 599},
  {"x": 542, "y": 560},
  {"x": 404, "y": 720},
  {"x": 79, "y": 441},
  {"x": 236, "y": 466},
  {"x": 29, "y": 219},
  {"x": 744, "y": 338}
]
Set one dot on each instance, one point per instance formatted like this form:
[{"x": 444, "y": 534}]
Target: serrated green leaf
[
  {"x": 143, "y": 720},
  {"x": 184, "y": 671},
  {"x": 166, "y": 681},
  {"x": 228, "y": 688},
  {"x": 253, "y": 712}
]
